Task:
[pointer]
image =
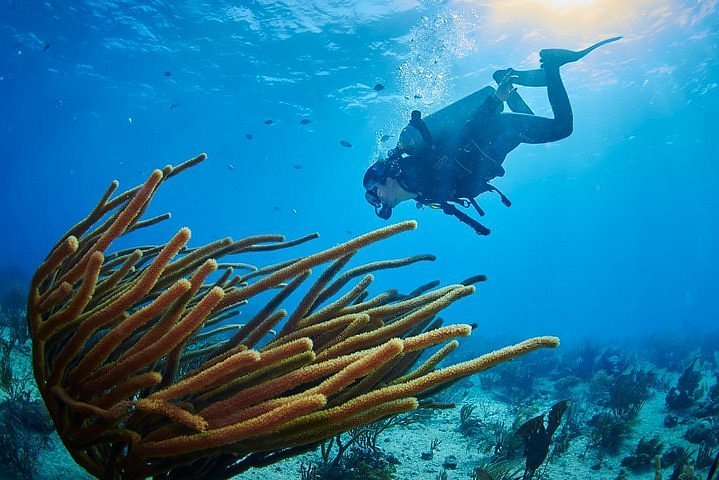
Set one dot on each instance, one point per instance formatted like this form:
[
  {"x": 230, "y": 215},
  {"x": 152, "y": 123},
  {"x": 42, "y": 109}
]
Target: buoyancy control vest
[{"x": 442, "y": 164}]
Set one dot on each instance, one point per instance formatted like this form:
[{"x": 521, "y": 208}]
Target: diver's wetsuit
[
  {"x": 462, "y": 166},
  {"x": 503, "y": 133}
]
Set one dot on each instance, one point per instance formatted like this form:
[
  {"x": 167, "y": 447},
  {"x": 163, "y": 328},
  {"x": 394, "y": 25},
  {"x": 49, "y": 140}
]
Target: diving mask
[{"x": 383, "y": 211}]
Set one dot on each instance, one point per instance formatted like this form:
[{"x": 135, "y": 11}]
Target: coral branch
[{"x": 135, "y": 357}]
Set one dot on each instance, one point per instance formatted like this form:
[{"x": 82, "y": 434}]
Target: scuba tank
[
  {"x": 421, "y": 135},
  {"x": 441, "y": 124}
]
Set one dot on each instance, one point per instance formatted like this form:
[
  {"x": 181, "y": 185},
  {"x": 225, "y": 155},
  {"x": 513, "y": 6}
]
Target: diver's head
[{"x": 383, "y": 189}]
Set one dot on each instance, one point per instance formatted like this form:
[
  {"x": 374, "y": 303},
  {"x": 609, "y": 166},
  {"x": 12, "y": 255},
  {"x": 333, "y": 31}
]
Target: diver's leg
[
  {"x": 515, "y": 128},
  {"x": 515, "y": 102},
  {"x": 563, "y": 122},
  {"x": 525, "y": 78},
  {"x": 554, "y": 56}
]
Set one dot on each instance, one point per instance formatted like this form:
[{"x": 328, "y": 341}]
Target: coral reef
[
  {"x": 356, "y": 454},
  {"x": 687, "y": 390},
  {"x": 140, "y": 379},
  {"x": 497, "y": 470},
  {"x": 25, "y": 426},
  {"x": 608, "y": 434},
  {"x": 644, "y": 454},
  {"x": 25, "y": 429}
]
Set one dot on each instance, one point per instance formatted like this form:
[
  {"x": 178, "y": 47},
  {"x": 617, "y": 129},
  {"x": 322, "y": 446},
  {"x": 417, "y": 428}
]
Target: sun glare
[
  {"x": 566, "y": 18},
  {"x": 567, "y": 3}
]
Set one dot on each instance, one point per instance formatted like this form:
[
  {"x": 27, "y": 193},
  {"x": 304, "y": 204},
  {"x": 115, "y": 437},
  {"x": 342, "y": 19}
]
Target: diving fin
[{"x": 559, "y": 56}]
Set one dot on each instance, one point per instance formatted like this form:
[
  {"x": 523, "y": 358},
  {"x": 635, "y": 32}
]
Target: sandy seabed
[{"x": 407, "y": 443}]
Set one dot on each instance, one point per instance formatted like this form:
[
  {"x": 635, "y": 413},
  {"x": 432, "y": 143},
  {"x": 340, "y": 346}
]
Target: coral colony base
[{"x": 133, "y": 361}]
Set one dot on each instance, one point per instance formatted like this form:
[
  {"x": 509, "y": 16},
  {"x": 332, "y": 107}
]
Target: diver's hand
[{"x": 506, "y": 87}]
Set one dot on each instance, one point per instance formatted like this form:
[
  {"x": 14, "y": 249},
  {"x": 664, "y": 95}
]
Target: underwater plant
[
  {"x": 489, "y": 436},
  {"x": 687, "y": 390},
  {"x": 25, "y": 429},
  {"x": 434, "y": 445},
  {"x": 514, "y": 380},
  {"x": 15, "y": 377},
  {"x": 13, "y": 325},
  {"x": 571, "y": 427},
  {"x": 468, "y": 425},
  {"x": 112, "y": 331},
  {"x": 608, "y": 434},
  {"x": 714, "y": 469},
  {"x": 497, "y": 470},
  {"x": 580, "y": 362},
  {"x": 705, "y": 455},
  {"x": 629, "y": 391},
  {"x": 644, "y": 454},
  {"x": 710, "y": 406},
  {"x": 675, "y": 454},
  {"x": 704, "y": 431},
  {"x": 356, "y": 456},
  {"x": 537, "y": 436}
]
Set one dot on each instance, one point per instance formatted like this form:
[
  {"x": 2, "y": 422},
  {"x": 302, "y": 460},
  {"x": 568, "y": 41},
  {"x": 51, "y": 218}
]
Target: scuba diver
[{"x": 448, "y": 158}]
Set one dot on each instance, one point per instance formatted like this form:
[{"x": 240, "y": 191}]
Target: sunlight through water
[{"x": 580, "y": 17}]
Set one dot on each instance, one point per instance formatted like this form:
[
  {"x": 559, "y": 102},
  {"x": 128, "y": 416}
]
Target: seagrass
[{"x": 142, "y": 378}]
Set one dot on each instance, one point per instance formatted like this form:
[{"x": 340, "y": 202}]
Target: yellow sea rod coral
[{"x": 141, "y": 380}]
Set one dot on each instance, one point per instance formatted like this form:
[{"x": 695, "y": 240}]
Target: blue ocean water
[{"x": 613, "y": 232}]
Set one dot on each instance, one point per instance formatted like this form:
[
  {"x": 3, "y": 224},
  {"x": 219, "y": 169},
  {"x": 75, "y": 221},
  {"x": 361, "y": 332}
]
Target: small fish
[
  {"x": 168, "y": 73},
  {"x": 248, "y": 136},
  {"x": 276, "y": 208},
  {"x": 345, "y": 144},
  {"x": 129, "y": 120},
  {"x": 175, "y": 105},
  {"x": 46, "y": 47},
  {"x": 269, "y": 121},
  {"x": 417, "y": 96},
  {"x": 305, "y": 121},
  {"x": 230, "y": 166},
  {"x": 379, "y": 87},
  {"x": 384, "y": 138},
  {"x": 294, "y": 210},
  {"x": 298, "y": 167}
]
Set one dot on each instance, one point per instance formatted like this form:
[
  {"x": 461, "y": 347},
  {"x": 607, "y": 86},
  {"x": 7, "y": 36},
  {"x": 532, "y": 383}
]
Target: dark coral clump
[
  {"x": 709, "y": 407},
  {"x": 25, "y": 429},
  {"x": 469, "y": 425},
  {"x": 643, "y": 457},
  {"x": 608, "y": 434},
  {"x": 687, "y": 391},
  {"x": 629, "y": 392},
  {"x": 702, "y": 432},
  {"x": 358, "y": 463}
]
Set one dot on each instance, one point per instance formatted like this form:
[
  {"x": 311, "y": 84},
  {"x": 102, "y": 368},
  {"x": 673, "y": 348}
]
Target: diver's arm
[{"x": 491, "y": 105}]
